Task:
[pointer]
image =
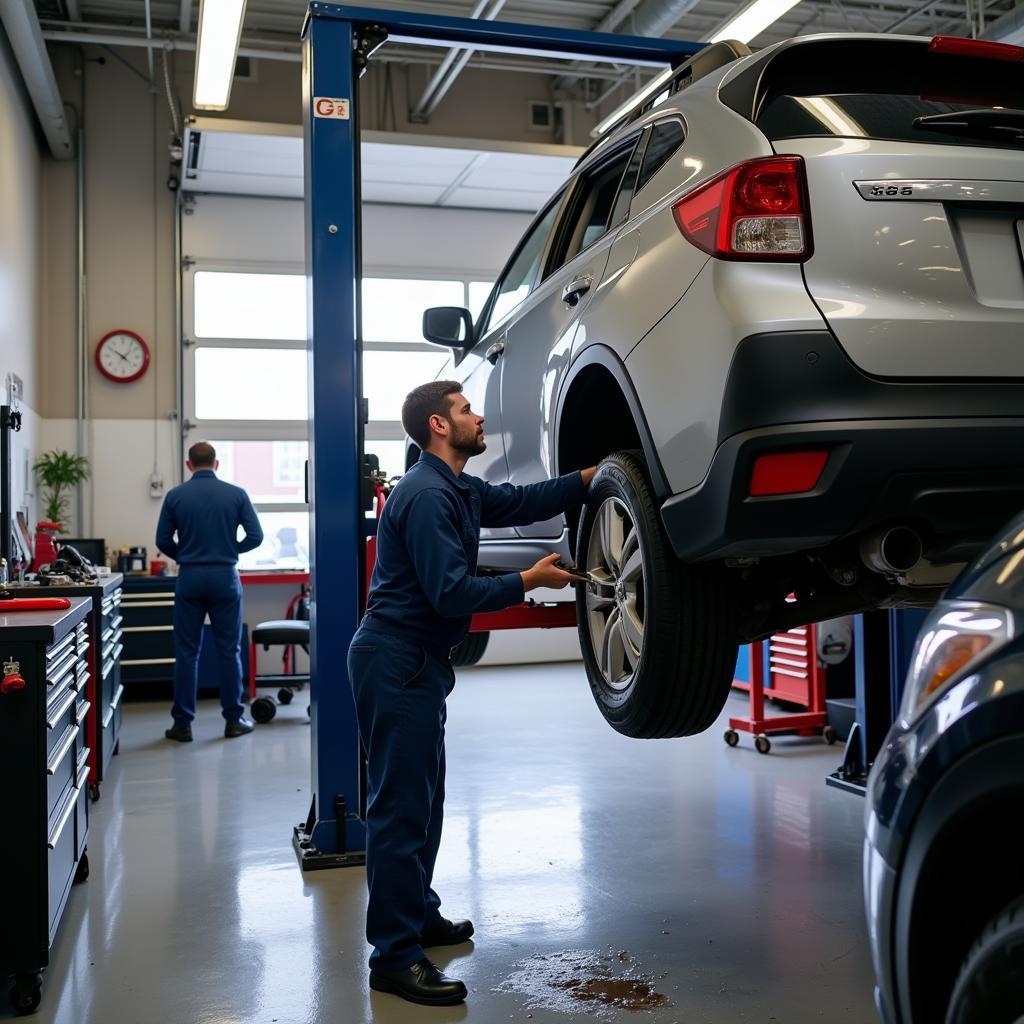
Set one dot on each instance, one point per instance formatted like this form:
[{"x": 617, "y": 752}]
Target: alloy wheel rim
[{"x": 616, "y": 607}]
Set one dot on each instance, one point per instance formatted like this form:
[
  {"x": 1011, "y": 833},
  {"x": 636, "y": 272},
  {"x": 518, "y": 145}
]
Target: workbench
[{"x": 44, "y": 773}]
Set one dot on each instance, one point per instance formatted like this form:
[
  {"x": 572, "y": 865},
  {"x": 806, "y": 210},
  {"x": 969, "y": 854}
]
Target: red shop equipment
[
  {"x": 46, "y": 544},
  {"x": 794, "y": 675}
]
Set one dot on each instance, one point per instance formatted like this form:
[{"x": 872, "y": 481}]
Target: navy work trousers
[
  {"x": 400, "y": 690},
  {"x": 202, "y": 590}
]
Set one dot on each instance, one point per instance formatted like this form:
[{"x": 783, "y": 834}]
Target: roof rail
[{"x": 701, "y": 64}]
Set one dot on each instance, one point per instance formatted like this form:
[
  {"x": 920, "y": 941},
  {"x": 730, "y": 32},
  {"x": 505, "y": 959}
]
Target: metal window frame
[{"x": 337, "y": 43}]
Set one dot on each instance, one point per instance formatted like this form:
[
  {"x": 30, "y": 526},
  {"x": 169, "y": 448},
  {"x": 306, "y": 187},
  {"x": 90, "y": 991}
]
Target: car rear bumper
[{"x": 945, "y": 457}]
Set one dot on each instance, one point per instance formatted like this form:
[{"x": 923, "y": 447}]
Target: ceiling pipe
[
  {"x": 141, "y": 42},
  {"x": 450, "y": 69},
  {"x": 1009, "y": 28},
  {"x": 26, "y": 38},
  {"x": 650, "y": 18}
]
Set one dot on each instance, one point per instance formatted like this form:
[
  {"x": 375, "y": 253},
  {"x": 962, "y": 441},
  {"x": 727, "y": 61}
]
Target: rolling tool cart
[
  {"x": 105, "y": 691},
  {"x": 44, "y": 773}
]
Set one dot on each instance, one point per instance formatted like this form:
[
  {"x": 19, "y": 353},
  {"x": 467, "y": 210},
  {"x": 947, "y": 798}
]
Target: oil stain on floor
[{"x": 573, "y": 979}]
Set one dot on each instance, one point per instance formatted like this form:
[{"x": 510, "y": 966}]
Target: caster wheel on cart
[
  {"x": 94, "y": 791},
  {"x": 763, "y": 744},
  {"x": 26, "y": 993},
  {"x": 82, "y": 871},
  {"x": 829, "y": 735},
  {"x": 263, "y": 709},
  {"x": 284, "y": 695},
  {"x": 732, "y": 737}
]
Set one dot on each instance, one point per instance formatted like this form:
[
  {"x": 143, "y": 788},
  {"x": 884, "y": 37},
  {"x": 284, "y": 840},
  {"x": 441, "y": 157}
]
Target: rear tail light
[
  {"x": 982, "y": 48},
  {"x": 756, "y": 210},
  {"x": 787, "y": 473}
]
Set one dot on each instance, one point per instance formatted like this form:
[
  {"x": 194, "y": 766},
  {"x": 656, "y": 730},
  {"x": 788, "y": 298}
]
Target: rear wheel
[
  {"x": 658, "y": 637},
  {"x": 471, "y": 650},
  {"x": 990, "y": 989}
]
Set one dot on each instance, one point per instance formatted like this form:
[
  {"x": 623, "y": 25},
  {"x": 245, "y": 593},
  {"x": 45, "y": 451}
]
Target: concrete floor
[{"x": 730, "y": 879}]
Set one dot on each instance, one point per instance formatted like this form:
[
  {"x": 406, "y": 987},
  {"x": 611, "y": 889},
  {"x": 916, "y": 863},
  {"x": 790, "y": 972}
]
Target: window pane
[
  {"x": 250, "y": 384},
  {"x": 393, "y": 308},
  {"x": 592, "y": 204},
  {"x": 391, "y": 455},
  {"x": 666, "y": 138},
  {"x": 625, "y": 196},
  {"x": 270, "y": 471},
  {"x": 269, "y": 306},
  {"x": 521, "y": 274},
  {"x": 285, "y": 542},
  {"x": 389, "y": 376},
  {"x": 478, "y": 292}
]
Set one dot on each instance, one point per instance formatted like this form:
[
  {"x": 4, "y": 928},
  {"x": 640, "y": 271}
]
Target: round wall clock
[{"x": 122, "y": 356}]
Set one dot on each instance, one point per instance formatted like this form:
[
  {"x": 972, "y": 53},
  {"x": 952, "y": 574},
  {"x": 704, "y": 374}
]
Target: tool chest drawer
[
  {"x": 147, "y": 610},
  {"x": 46, "y": 714}
]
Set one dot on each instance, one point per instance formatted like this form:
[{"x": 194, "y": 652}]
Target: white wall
[{"x": 20, "y": 260}]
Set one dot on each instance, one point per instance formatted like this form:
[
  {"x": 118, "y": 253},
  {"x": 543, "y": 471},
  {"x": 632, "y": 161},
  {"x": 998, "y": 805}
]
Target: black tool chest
[
  {"x": 105, "y": 689},
  {"x": 44, "y": 775},
  {"x": 148, "y": 609}
]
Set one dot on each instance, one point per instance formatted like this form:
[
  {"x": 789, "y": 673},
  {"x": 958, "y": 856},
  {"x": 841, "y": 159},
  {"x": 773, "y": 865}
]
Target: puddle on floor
[{"x": 573, "y": 979}]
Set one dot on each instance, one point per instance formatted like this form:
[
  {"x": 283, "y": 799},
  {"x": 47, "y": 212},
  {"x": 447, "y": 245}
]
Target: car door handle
[
  {"x": 576, "y": 289},
  {"x": 494, "y": 352}
]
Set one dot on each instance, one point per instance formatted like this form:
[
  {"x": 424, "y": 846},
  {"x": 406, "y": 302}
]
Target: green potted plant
[{"x": 58, "y": 472}]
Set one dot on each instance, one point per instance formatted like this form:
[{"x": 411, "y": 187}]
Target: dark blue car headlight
[{"x": 955, "y": 638}]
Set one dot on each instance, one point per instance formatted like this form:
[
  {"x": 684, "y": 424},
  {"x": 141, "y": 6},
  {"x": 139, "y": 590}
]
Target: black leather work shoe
[
  {"x": 446, "y": 933},
  {"x": 181, "y": 733},
  {"x": 238, "y": 727},
  {"x": 422, "y": 983}
]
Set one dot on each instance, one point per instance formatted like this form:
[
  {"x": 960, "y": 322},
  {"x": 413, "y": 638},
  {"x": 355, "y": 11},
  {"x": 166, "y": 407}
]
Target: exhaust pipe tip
[{"x": 894, "y": 549}]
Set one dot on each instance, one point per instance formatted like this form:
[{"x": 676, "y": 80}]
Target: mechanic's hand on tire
[{"x": 544, "y": 574}]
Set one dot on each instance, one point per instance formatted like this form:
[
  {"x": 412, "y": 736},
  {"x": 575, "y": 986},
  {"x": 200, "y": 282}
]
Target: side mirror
[{"x": 448, "y": 326}]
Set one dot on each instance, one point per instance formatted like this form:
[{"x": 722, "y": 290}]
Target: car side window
[
  {"x": 665, "y": 139},
  {"x": 521, "y": 274},
  {"x": 621, "y": 210},
  {"x": 595, "y": 201}
]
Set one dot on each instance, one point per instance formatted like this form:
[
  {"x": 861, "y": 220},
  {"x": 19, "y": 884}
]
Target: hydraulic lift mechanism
[{"x": 337, "y": 44}]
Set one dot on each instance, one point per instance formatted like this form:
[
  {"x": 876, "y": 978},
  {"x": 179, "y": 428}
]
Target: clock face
[{"x": 122, "y": 356}]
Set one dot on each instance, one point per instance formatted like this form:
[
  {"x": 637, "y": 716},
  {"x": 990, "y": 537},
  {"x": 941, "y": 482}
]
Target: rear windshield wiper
[{"x": 988, "y": 123}]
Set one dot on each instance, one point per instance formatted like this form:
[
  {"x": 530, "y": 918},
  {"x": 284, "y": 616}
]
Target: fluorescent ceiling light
[
  {"x": 652, "y": 88},
  {"x": 753, "y": 20},
  {"x": 220, "y": 28}
]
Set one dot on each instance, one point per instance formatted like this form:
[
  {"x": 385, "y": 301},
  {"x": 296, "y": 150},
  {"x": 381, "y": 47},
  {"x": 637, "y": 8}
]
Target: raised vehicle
[{"x": 781, "y": 301}]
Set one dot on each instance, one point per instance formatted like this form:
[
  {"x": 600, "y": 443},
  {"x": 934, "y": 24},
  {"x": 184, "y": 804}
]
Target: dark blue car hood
[{"x": 997, "y": 574}]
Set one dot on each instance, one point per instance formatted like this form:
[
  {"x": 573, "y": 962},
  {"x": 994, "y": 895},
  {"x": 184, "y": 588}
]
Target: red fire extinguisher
[{"x": 46, "y": 544}]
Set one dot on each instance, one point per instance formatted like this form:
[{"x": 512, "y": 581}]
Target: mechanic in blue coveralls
[
  {"x": 198, "y": 528},
  {"x": 423, "y": 593}
]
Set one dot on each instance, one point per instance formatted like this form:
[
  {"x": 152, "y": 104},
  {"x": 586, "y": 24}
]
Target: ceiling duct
[{"x": 26, "y": 38}]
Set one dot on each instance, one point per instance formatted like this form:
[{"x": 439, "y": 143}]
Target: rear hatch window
[{"x": 896, "y": 90}]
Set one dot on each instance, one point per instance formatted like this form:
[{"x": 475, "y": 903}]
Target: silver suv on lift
[{"x": 782, "y": 304}]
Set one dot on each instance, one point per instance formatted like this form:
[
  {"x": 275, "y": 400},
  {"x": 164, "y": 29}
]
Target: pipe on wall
[{"x": 26, "y": 38}]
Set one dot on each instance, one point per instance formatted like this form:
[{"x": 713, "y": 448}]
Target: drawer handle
[
  {"x": 59, "y": 690},
  {"x": 117, "y": 651},
  {"x": 81, "y": 710},
  {"x": 57, "y": 651},
  {"x": 117, "y": 697},
  {"x": 107, "y": 717},
  {"x": 51, "y": 722},
  {"x": 83, "y": 682},
  {"x": 148, "y": 661},
  {"x": 57, "y": 674},
  {"x": 54, "y": 763},
  {"x": 107, "y": 667},
  {"x": 58, "y": 829},
  {"x": 81, "y": 768},
  {"x": 148, "y": 629}
]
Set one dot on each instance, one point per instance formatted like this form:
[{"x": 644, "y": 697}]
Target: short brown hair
[
  {"x": 202, "y": 455},
  {"x": 423, "y": 402}
]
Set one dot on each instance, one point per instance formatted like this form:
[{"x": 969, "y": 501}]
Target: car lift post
[{"x": 337, "y": 42}]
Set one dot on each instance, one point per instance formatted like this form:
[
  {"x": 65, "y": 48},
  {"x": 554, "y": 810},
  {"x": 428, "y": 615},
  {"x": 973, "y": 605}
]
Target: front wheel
[
  {"x": 658, "y": 637},
  {"x": 989, "y": 989}
]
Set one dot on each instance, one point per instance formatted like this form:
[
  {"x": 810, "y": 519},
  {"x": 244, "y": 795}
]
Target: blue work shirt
[
  {"x": 205, "y": 513},
  {"x": 424, "y": 583}
]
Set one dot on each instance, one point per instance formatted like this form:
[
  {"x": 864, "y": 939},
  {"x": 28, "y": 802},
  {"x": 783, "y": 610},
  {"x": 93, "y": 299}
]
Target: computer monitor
[{"x": 93, "y": 548}]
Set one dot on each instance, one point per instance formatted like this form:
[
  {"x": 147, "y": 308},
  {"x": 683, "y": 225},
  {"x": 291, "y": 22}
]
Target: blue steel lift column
[{"x": 337, "y": 42}]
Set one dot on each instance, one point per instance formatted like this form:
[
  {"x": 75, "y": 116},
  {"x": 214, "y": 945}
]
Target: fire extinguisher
[{"x": 46, "y": 544}]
